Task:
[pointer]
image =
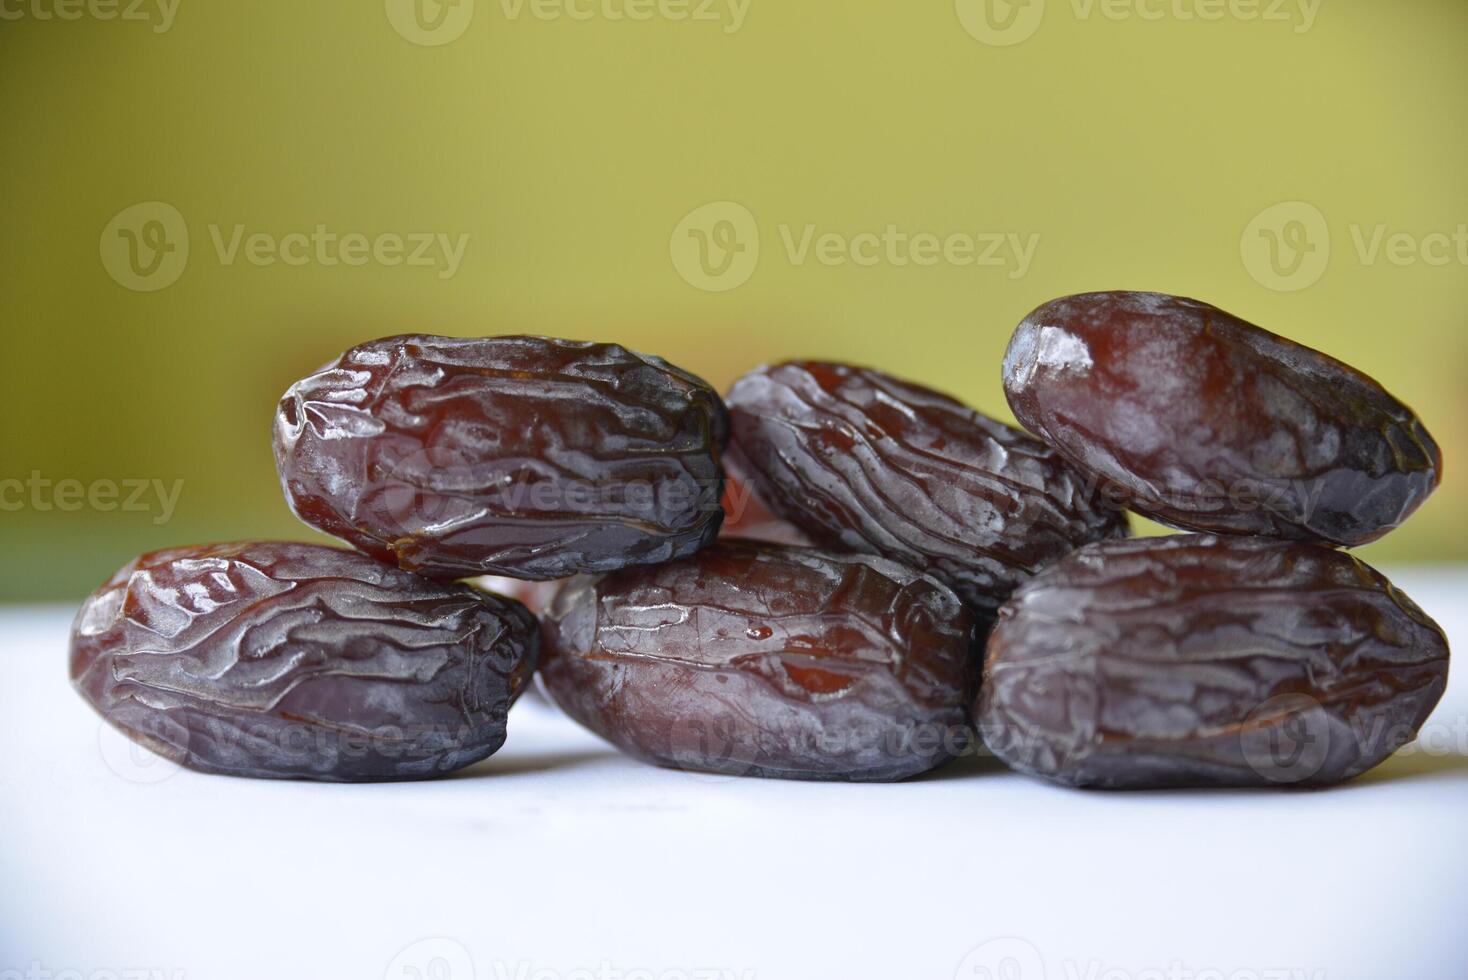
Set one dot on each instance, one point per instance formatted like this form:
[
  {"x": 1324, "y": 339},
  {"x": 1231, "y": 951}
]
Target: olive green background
[{"x": 1136, "y": 151}]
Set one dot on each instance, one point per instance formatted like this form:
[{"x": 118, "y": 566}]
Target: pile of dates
[{"x": 831, "y": 573}]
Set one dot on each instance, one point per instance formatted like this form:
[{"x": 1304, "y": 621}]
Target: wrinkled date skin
[
  {"x": 863, "y": 462},
  {"x": 1203, "y": 421},
  {"x": 534, "y": 596},
  {"x": 519, "y": 456},
  {"x": 1195, "y": 660},
  {"x": 765, "y": 660},
  {"x": 281, "y": 660}
]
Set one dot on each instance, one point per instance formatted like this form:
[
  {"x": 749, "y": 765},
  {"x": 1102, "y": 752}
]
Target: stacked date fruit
[{"x": 895, "y": 572}]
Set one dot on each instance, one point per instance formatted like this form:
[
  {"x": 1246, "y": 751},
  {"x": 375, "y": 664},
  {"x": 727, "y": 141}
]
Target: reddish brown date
[
  {"x": 274, "y": 659},
  {"x": 1201, "y": 420},
  {"x": 520, "y": 456},
  {"x": 863, "y": 462},
  {"x": 1194, "y": 660},
  {"x": 764, "y": 660}
]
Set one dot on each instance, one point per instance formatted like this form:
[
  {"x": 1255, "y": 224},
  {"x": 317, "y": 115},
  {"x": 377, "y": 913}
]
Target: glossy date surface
[
  {"x": 1201, "y": 420},
  {"x": 276, "y": 659},
  {"x": 765, "y": 660},
  {"x": 864, "y": 462},
  {"x": 1195, "y": 660},
  {"x": 519, "y": 456}
]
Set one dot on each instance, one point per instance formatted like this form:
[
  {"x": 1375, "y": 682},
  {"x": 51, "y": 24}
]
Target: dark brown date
[
  {"x": 1201, "y": 420},
  {"x": 520, "y": 456},
  {"x": 863, "y": 462},
  {"x": 1195, "y": 660},
  {"x": 284, "y": 660},
  {"x": 765, "y": 660}
]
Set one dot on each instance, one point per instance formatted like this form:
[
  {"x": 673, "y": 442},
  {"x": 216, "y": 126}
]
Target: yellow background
[{"x": 569, "y": 150}]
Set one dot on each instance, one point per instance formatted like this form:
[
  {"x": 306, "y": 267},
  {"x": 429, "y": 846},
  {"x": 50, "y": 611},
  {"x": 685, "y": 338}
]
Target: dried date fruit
[
  {"x": 520, "y": 456},
  {"x": 1196, "y": 660},
  {"x": 861, "y": 461},
  {"x": 275, "y": 659},
  {"x": 534, "y": 596},
  {"x": 1201, "y": 420},
  {"x": 759, "y": 659}
]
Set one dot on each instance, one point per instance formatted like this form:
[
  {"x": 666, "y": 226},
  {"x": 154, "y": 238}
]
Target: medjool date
[
  {"x": 275, "y": 659},
  {"x": 1201, "y": 420},
  {"x": 520, "y": 456},
  {"x": 863, "y": 462},
  {"x": 759, "y": 659},
  {"x": 1195, "y": 660}
]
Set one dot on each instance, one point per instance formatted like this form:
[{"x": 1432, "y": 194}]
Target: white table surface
[{"x": 558, "y": 859}]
